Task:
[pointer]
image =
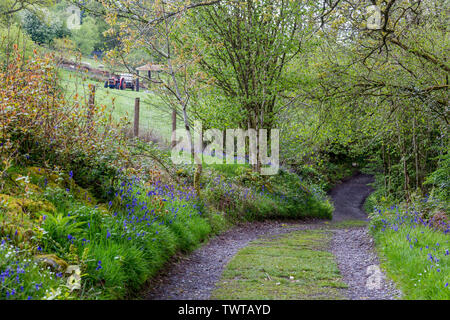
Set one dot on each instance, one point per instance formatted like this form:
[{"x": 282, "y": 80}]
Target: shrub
[
  {"x": 283, "y": 196},
  {"x": 40, "y": 126},
  {"x": 440, "y": 179}
]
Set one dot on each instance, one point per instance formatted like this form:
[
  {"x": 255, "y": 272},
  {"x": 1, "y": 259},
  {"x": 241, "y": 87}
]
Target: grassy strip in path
[
  {"x": 291, "y": 266},
  {"x": 346, "y": 224}
]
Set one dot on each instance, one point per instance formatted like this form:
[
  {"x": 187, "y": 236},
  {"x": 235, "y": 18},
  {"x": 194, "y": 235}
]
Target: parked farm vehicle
[
  {"x": 122, "y": 82},
  {"x": 127, "y": 81}
]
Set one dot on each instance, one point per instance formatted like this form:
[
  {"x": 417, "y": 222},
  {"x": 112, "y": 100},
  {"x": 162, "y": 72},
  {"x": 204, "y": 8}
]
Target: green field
[{"x": 153, "y": 116}]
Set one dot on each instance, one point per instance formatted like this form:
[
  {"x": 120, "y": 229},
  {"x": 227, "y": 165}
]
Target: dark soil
[{"x": 191, "y": 277}]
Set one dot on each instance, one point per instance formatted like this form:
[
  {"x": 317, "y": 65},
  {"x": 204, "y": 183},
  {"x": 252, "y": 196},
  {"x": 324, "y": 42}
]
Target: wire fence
[{"x": 142, "y": 119}]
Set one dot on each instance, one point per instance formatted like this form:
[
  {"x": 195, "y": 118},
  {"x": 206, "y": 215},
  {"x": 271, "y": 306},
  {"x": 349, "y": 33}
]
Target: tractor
[
  {"x": 127, "y": 81},
  {"x": 122, "y": 82},
  {"x": 113, "y": 82}
]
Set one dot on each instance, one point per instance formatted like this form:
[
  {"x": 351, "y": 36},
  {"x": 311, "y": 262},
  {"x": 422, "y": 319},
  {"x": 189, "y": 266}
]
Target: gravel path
[
  {"x": 348, "y": 198},
  {"x": 359, "y": 266},
  {"x": 194, "y": 276},
  {"x": 354, "y": 248}
]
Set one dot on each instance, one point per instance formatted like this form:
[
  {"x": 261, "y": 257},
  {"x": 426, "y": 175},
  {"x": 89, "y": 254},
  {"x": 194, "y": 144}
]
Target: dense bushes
[
  {"x": 440, "y": 179},
  {"x": 432, "y": 198},
  {"x": 249, "y": 196},
  {"x": 39, "y": 125},
  {"x": 43, "y": 32}
]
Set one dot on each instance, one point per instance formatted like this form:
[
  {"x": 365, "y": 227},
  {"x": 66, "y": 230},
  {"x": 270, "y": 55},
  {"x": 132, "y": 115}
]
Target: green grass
[
  {"x": 121, "y": 103},
  {"x": 415, "y": 256},
  {"x": 410, "y": 267},
  {"x": 128, "y": 256},
  {"x": 293, "y": 266},
  {"x": 227, "y": 170},
  {"x": 349, "y": 224}
]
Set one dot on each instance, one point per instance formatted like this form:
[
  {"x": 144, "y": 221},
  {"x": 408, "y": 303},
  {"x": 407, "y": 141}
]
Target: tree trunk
[{"x": 174, "y": 127}]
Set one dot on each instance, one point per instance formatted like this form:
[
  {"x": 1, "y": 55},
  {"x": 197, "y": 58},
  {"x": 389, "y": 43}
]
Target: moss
[
  {"x": 37, "y": 173},
  {"x": 350, "y": 224},
  {"x": 20, "y": 216},
  {"x": 83, "y": 195},
  {"x": 53, "y": 179},
  {"x": 20, "y": 233},
  {"x": 19, "y": 205},
  {"x": 41, "y": 178},
  {"x": 52, "y": 261}
]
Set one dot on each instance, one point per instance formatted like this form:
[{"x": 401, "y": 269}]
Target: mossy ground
[
  {"x": 348, "y": 224},
  {"x": 293, "y": 266},
  {"x": 23, "y": 201}
]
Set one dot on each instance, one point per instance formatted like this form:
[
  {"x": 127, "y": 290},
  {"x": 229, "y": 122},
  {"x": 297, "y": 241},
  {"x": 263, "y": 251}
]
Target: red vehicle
[
  {"x": 127, "y": 81},
  {"x": 121, "y": 82},
  {"x": 113, "y": 82}
]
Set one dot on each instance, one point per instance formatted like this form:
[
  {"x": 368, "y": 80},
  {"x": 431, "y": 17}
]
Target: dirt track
[
  {"x": 194, "y": 276},
  {"x": 349, "y": 196}
]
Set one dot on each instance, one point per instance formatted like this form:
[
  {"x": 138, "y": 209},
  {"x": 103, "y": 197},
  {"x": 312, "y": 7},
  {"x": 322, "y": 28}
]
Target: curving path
[
  {"x": 194, "y": 276},
  {"x": 349, "y": 196},
  {"x": 354, "y": 248},
  {"x": 191, "y": 277}
]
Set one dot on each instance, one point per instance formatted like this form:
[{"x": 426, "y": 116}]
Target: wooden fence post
[
  {"x": 92, "y": 96},
  {"x": 91, "y": 104},
  {"x": 136, "y": 117},
  {"x": 137, "y": 80}
]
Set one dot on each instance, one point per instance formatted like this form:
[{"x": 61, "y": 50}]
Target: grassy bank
[
  {"x": 415, "y": 252},
  {"x": 87, "y": 249},
  {"x": 243, "y": 195}
]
